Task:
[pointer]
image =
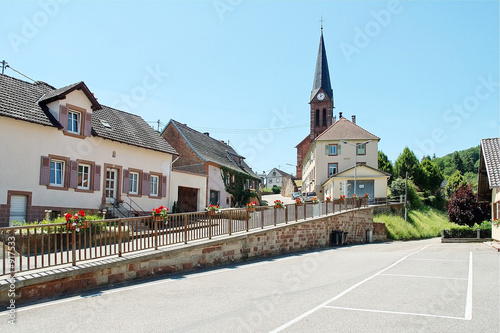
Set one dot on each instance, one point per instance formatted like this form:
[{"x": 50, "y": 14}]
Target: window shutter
[
  {"x": 339, "y": 149},
  {"x": 45, "y": 171},
  {"x": 146, "y": 183},
  {"x": 163, "y": 186},
  {"x": 126, "y": 183},
  {"x": 97, "y": 178},
  {"x": 63, "y": 117},
  {"x": 88, "y": 124},
  {"x": 327, "y": 149},
  {"x": 73, "y": 174}
]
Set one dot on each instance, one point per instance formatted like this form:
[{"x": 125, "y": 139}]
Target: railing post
[
  {"x": 184, "y": 217},
  {"x": 296, "y": 213},
  {"x": 326, "y": 207},
  {"x": 230, "y": 222},
  {"x": 275, "y": 213},
  {"x": 262, "y": 219},
  {"x": 156, "y": 233},
  {"x": 286, "y": 214},
  {"x": 120, "y": 235},
  {"x": 210, "y": 219},
  {"x": 73, "y": 246},
  {"x": 305, "y": 211},
  {"x": 248, "y": 217}
]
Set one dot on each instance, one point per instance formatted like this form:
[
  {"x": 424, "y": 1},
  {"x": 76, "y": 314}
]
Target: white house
[
  {"x": 275, "y": 177},
  {"x": 344, "y": 154},
  {"x": 64, "y": 151}
]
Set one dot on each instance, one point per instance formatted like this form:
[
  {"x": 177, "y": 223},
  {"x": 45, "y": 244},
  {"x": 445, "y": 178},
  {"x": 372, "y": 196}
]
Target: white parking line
[
  {"x": 395, "y": 312},
  {"x": 425, "y": 276},
  {"x": 468, "y": 302},
  {"x": 438, "y": 260},
  {"x": 305, "y": 314}
]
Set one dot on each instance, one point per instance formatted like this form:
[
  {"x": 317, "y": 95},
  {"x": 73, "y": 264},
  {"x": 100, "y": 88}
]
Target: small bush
[{"x": 276, "y": 189}]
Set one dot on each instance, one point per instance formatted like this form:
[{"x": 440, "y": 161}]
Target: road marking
[
  {"x": 425, "y": 276},
  {"x": 167, "y": 279},
  {"x": 395, "y": 312},
  {"x": 438, "y": 260},
  {"x": 305, "y": 314},
  {"x": 468, "y": 302}
]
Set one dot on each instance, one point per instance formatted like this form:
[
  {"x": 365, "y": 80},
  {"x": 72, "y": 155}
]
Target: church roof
[
  {"x": 344, "y": 129},
  {"x": 322, "y": 74}
]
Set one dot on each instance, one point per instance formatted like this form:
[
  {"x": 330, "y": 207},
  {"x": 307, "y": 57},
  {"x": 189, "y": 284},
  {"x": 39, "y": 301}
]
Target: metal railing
[{"x": 38, "y": 246}]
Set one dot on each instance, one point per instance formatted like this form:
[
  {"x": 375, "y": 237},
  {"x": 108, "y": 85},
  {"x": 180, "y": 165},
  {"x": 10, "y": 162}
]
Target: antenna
[
  {"x": 4, "y": 65},
  {"x": 321, "y": 22},
  {"x": 158, "y": 125}
]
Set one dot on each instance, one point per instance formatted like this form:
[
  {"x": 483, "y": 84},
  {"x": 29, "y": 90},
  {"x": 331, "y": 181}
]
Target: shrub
[
  {"x": 398, "y": 188},
  {"x": 276, "y": 189},
  {"x": 463, "y": 208}
]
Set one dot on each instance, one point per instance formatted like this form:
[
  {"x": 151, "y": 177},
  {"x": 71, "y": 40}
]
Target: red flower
[
  {"x": 76, "y": 216},
  {"x": 81, "y": 213},
  {"x": 161, "y": 207},
  {"x": 67, "y": 216}
]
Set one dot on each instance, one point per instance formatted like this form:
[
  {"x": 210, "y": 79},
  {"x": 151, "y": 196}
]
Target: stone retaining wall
[{"x": 296, "y": 236}]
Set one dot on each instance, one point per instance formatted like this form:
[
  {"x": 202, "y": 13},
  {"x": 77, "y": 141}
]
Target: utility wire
[{"x": 18, "y": 72}]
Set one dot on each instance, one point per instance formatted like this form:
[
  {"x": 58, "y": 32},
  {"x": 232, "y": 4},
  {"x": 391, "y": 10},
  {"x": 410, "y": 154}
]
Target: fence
[{"x": 45, "y": 245}]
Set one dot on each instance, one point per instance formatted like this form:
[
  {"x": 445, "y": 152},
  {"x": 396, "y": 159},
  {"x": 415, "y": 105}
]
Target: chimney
[
  {"x": 340, "y": 115},
  {"x": 207, "y": 134},
  {"x": 353, "y": 119}
]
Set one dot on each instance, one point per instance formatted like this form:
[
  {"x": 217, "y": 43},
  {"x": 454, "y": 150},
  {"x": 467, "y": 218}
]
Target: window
[
  {"x": 332, "y": 150},
  {"x": 324, "y": 117},
  {"x": 84, "y": 176},
  {"x": 74, "y": 122},
  {"x": 332, "y": 169},
  {"x": 317, "y": 118},
  {"x": 361, "y": 149},
  {"x": 134, "y": 183},
  {"x": 57, "y": 173},
  {"x": 154, "y": 185}
]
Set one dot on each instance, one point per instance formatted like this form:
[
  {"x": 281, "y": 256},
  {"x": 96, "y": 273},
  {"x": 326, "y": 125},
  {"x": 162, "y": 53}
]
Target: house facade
[
  {"x": 275, "y": 177},
  {"x": 489, "y": 179},
  {"x": 65, "y": 152},
  {"x": 202, "y": 155},
  {"x": 329, "y": 168}
]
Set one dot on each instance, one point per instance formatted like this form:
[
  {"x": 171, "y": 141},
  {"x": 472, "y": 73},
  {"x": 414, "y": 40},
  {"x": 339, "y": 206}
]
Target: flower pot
[
  {"x": 212, "y": 212},
  {"x": 251, "y": 209}
]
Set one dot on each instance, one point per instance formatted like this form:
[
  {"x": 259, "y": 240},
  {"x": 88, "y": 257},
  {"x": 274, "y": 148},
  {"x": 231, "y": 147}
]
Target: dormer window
[{"x": 74, "y": 122}]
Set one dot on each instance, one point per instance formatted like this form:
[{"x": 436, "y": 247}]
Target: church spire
[{"x": 322, "y": 74}]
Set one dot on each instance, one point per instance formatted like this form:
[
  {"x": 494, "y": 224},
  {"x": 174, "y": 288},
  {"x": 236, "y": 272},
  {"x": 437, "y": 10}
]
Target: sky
[{"x": 418, "y": 74}]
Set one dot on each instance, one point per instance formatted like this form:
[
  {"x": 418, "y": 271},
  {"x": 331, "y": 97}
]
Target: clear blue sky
[{"x": 422, "y": 74}]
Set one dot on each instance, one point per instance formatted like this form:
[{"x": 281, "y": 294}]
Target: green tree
[
  {"x": 454, "y": 183},
  {"x": 457, "y": 162},
  {"x": 407, "y": 161},
  {"x": 398, "y": 188},
  {"x": 468, "y": 164},
  {"x": 434, "y": 175},
  {"x": 385, "y": 165}
]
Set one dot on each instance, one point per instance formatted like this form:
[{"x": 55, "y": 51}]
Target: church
[{"x": 337, "y": 157}]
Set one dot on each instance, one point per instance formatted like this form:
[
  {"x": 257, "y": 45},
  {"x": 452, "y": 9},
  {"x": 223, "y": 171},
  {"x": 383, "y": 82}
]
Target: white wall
[
  {"x": 26, "y": 142},
  {"x": 216, "y": 183},
  {"x": 186, "y": 179}
]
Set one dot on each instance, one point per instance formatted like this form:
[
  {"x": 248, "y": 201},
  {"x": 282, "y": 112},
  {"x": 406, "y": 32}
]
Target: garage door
[
  {"x": 187, "y": 199},
  {"x": 18, "y": 204}
]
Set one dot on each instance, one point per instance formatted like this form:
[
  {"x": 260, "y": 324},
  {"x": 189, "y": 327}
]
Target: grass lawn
[{"x": 423, "y": 223}]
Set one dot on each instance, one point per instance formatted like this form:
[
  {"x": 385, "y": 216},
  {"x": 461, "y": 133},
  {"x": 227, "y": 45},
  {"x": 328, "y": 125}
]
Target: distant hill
[{"x": 466, "y": 161}]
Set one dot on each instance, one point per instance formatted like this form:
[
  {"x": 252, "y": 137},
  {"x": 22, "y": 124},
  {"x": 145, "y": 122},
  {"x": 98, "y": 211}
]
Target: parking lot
[{"x": 418, "y": 286}]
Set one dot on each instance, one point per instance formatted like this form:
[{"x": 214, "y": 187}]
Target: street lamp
[{"x": 355, "y": 158}]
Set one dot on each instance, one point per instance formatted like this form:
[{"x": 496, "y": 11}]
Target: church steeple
[{"x": 322, "y": 74}]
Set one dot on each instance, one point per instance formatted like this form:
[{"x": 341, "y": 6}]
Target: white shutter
[{"x": 18, "y": 204}]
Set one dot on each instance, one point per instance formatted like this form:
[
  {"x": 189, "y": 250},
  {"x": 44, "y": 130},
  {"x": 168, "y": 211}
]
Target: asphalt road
[{"x": 419, "y": 286}]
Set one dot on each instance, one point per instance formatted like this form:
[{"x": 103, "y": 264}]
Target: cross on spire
[{"x": 321, "y": 22}]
